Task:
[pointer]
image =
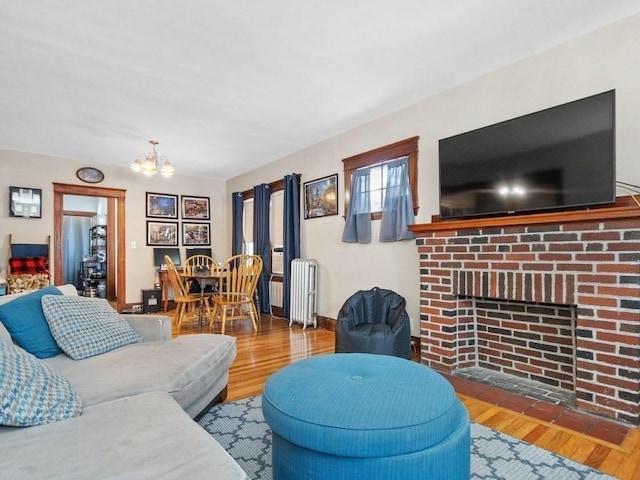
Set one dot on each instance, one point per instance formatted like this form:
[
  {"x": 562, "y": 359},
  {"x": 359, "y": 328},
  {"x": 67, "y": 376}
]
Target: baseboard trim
[{"x": 327, "y": 323}]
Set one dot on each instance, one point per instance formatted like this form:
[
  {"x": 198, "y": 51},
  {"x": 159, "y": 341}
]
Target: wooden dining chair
[
  {"x": 236, "y": 291},
  {"x": 181, "y": 297},
  {"x": 198, "y": 264}
]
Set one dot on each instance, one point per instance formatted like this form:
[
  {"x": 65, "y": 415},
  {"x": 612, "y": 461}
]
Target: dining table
[{"x": 203, "y": 277}]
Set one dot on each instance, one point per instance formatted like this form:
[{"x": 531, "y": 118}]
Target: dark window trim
[
  {"x": 403, "y": 148},
  {"x": 275, "y": 187}
]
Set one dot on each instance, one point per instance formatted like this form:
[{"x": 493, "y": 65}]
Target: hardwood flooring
[{"x": 275, "y": 345}]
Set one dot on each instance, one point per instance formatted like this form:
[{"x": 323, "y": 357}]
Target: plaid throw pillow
[
  {"x": 31, "y": 393},
  {"x": 84, "y": 327}
]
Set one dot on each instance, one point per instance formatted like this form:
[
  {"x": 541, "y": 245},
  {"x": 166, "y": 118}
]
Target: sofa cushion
[
  {"x": 31, "y": 393},
  {"x": 25, "y": 321},
  {"x": 84, "y": 327},
  {"x": 140, "y": 437},
  {"x": 4, "y": 334},
  {"x": 192, "y": 368}
]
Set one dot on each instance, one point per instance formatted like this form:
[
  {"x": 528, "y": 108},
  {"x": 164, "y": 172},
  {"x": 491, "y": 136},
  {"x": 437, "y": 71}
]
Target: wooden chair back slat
[
  {"x": 196, "y": 263},
  {"x": 239, "y": 277}
]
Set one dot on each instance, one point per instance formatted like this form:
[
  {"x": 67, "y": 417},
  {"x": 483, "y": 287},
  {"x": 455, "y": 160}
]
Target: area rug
[{"x": 240, "y": 428}]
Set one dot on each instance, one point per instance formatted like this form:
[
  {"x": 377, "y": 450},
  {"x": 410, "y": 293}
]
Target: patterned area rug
[{"x": 240, "y": 428}]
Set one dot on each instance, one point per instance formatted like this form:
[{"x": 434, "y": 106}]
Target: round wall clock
[{"x": 90, "y": 175}]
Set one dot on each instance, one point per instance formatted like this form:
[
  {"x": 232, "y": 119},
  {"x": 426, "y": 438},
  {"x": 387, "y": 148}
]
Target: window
[
  {"x": 276, "y": 217},
  {"x": 377, "y": 160},
  {"x": 377, "y": 187},
  {"x": 247, "y": 227}
]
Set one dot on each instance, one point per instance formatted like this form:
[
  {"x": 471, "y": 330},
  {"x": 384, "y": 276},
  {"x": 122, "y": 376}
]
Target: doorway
[
  {"x": 83, "y": 235},
  {"x": 116, "y": 251}
]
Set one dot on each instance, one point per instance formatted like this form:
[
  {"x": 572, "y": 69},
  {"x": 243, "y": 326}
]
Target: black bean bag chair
[{"x": 374, "y": 321}]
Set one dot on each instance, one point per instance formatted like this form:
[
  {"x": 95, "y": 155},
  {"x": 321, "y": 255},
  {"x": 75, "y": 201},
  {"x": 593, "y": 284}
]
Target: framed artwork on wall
[
  {"x": 90, "y": 175},
  {"x": 162, "y": 233},
  {"x": 25, "y": 202},
  {"x": 162, "y": 205},
  {"x": 196, "y": 233},
  {"x": 321, "y": 197},
  {"x": 194, "y": 208}
]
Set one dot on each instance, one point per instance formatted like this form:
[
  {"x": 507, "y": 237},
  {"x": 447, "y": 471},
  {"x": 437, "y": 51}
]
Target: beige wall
[
  {"x": 597, "y": 62},
  {"x": 40, "y": 171},
  {"x": 600, "y": 61}
]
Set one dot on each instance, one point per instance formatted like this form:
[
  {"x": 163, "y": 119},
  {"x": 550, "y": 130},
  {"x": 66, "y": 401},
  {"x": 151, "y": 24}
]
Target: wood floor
[{"x": 275, "y": 345}]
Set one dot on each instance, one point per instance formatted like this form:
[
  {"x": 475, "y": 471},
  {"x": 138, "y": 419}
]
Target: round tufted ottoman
[{"x": 363, "y": 416}]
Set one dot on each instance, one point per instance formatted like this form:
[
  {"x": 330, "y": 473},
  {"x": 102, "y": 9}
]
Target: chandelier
[{"x": 148, "y": 165}]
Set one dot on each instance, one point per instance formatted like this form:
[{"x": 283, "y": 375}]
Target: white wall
[
  {"x": 41, "y": 171},
  {"x": 603, "y": 60}
]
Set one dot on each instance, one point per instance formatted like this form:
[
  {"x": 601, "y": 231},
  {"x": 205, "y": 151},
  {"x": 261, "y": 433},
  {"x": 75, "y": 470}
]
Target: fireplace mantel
[{"x": 624, "y": 207}]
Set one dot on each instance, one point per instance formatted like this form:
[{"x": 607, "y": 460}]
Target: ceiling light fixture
[{"x": 148, "y": 165}]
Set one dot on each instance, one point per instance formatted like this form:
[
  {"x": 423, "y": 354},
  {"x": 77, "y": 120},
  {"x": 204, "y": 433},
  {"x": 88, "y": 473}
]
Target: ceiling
[{"x": 228, "y": 85}]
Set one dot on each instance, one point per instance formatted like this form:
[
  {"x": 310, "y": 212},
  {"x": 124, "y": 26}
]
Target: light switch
[{"x": 133, "y": 244}]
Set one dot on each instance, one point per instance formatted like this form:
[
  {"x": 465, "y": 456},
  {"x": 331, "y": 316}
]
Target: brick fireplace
[{"x": 553, "y": 298}]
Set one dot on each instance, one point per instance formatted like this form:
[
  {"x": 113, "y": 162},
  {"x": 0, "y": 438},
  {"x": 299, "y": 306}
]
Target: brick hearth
[{"x": 548, "y": 297}]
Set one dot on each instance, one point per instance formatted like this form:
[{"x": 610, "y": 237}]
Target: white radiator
[{"x": 304, "y": 281}]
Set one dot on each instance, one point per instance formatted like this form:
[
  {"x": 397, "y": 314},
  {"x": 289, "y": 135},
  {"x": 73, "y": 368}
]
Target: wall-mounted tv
[
  {"x": 559, "y": 158},
  {"x": 160, "y": 252}
]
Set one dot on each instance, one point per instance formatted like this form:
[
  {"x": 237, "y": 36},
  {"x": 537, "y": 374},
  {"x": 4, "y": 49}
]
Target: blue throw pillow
[
  {"x": 31, "y": 392},
  {"x": 24, "y": 319},
  {"x": 84, "y": 327}
]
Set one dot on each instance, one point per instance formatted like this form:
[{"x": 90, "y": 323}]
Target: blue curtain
[
  {"x": 291, "y": 234},
  {"x": 357, "y": 227},
  {"x": 237, "y": 209},
  {"x": 261, "y": 241},
  {"x": 397, "y": 211}
]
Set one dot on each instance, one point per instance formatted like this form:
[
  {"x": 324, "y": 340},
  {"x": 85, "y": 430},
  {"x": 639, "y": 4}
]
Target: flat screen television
[
  {"x": 160, "y": 252},
  {"x": 558, "y": 158}
]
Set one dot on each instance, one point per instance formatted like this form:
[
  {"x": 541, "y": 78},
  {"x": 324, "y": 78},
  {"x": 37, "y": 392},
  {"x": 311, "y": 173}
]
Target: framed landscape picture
[
  {"x": 321, "y": 197},
  {"x": 196, "y": 233},
  {"x": 195, "y": 208},
  {"x": 162, "y": 233},
  {"x": 162, "y": 205}
]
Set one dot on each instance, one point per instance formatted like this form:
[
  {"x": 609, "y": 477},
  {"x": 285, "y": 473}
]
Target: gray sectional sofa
[{"x": 139, "y": 402}]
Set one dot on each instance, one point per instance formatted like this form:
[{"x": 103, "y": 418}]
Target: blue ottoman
[{"x": 363, "y": 416}]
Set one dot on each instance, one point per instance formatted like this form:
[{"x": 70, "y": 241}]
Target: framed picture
[
  {"x": 90, "y": 175},
  {"x": 196, "y": 233},
  {"x": 195, "y": 208},
  {"x": 321, "y": 197},
  {"x": 162, "y": 233},
  {"x": 25, "y": 202},
  {"x": 162, "y": 205}
]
